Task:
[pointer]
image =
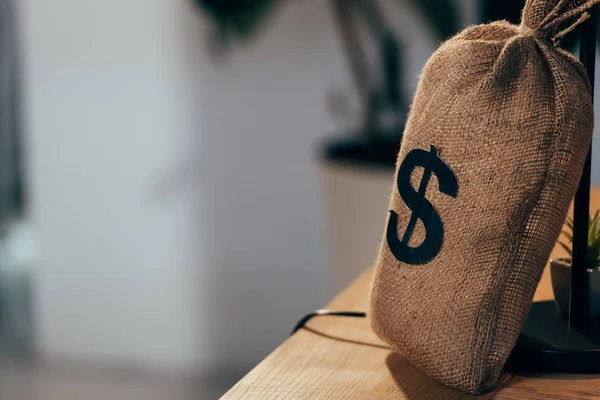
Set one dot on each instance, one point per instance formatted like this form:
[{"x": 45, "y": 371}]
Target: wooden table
[{"x": 341, "y": 358}]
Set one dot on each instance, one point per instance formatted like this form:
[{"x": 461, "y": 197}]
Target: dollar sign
[{"x": 421, "y": 207}]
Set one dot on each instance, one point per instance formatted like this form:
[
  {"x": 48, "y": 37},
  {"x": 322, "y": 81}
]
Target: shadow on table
[
  {"x": 415, "y": 385},
  {"x": 345, "y": 340}
]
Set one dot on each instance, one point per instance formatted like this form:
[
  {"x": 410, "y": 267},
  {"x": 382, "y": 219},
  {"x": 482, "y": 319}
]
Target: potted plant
[{"x": 560, "y": 268}]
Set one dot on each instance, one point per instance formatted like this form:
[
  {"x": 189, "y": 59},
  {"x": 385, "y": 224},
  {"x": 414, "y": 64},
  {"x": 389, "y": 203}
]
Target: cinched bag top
[{"x": 547, "y": 18}]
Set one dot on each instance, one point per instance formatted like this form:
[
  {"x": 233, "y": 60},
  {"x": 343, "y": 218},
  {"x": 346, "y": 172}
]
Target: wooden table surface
[{"x": 341, "y": 358}]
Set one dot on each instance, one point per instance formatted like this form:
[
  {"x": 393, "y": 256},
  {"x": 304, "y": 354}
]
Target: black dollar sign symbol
[{"x": 421, "y": 207}]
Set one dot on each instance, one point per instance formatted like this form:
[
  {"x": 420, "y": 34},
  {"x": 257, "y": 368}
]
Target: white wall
[
  {"x": 176, "y": 200},
  {"x": 108, "y": 116}
]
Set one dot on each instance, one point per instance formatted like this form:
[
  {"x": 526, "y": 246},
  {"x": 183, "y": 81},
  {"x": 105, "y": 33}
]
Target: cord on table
[{"x": 318, "y": 313}]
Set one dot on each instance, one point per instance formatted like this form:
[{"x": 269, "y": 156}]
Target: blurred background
[{"x": 181, "y": 181}]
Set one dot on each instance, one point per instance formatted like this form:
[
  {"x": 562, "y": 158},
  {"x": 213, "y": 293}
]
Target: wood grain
[{"x": 340, "y": 358}]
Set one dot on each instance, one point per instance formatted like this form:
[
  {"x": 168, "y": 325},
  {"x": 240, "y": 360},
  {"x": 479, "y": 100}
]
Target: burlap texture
[{"x": 511, "y": 113}]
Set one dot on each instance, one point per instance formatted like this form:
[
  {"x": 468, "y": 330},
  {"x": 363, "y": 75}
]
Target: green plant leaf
[
  {"x": 594, "y": 221},
  {"x": 593, "y": 236},
  {"x": 567, "y": 248},
  {"x": 441, "y": 15},
  {"x": 594, "y": 249},
  {"x": 594, "y": 245},
  {"x": 592, "y": 226},
  {"x": 569, "y": 223},
  {"x": 568, "y": 235}
]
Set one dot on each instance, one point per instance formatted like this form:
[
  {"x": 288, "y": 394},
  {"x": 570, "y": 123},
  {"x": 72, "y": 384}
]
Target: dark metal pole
[{"x": 579, "y": 307}]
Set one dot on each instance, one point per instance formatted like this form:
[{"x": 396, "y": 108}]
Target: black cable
[{"x": 318, "y": 313}]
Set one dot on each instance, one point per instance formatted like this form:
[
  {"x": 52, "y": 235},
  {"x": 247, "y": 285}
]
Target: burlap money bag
[{"x": 491, "y": 157}]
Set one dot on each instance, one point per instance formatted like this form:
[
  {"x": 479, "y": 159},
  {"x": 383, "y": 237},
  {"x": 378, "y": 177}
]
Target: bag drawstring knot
[{"x": 548, "y": 27}]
